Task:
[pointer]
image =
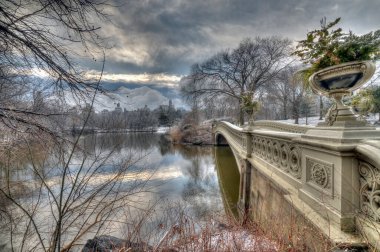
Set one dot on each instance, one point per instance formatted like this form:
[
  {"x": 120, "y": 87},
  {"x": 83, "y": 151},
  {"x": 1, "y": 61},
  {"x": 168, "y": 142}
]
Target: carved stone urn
[
  {"x": 251, "y": 113},
  {"x": 251, "y": 110},
  {"x": 337, "y": 82}
]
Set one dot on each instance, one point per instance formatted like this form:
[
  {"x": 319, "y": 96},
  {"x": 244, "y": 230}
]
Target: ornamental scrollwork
[
  {"x": 264, "y": 146},
  {"x": 319, "y": 173},
  {"x": 275, "y": 151},
  {"x": 332, "y": 114},
  {"x": 370, "y": 190},
  {"x": 269, "y": 150},
  {"x": 284, "y": 156},
  {"x": 281, "y": 154},
  {"x": 295, "y": 162}
]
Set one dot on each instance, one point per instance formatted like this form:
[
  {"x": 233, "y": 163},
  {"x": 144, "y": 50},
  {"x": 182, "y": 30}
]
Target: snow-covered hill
[{"x": 128, "y": 98}]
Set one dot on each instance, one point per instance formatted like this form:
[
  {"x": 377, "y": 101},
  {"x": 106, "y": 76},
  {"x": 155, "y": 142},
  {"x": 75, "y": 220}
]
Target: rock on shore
[{"x": 106, "y": 243}]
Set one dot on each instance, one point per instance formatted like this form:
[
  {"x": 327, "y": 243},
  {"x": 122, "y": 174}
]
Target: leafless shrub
[{"x": 58, "y": 202}]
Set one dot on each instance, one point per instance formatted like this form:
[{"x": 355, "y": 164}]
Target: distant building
[
  {"x": 118, "y": 109},
  {"x": 167, "y": 107}
]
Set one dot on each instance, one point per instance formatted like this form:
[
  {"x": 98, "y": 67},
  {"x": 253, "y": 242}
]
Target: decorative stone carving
[
  {"x": 269, "y": 150},
  {"x": 338, "y": 81},
  {"x": 256, "y": 145},
  {"x": 284, "y": 156},
  {"x": 279, "y": 153},
  {"x": 276, "y": 152},
  {"x": 263, "y": 152},
  {"x": 370, "y": 190},
  {"x": 319, "y": 174},
  {"x": 259, "y": 146},
  {"x": 264, "y": 148},
  {"x": 295, "y": 162}
]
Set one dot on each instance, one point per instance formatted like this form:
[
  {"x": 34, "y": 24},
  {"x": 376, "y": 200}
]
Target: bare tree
[
  {"x": 62, "y": 200},
  {"x": 280, "y": 91},
  {"x": 249, "y": 67},
  {"x": 299, "y": 97},
  {"x": 71, "y": 196},
  {"x": 45, "y": 37}
]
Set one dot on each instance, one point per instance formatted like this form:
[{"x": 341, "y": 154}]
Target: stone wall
[{"x": 279, "y": 219}]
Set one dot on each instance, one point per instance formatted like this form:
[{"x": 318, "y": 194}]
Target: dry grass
[
  {"x": 191, "y": 134},
  {"x": 215, "y": 234},
  {"x": 176, "y": 135}
]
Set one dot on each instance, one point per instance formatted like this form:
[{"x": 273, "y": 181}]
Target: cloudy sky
[{"x": 154, "y": 42}]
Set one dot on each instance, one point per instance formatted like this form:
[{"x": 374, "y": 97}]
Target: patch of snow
[
  {"x": 313, "y": 121},
  {"x": 243, "y": 240},
  {"x": 162, "y": 130},
  {"x": 230, "y": 240}
]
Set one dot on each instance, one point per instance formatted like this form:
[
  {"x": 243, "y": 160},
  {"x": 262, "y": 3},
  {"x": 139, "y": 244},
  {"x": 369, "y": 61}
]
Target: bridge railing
[
  {"x": 279, "y": 150},
  {"x": 281, "y": 126},
  {"x": 234, "y": 136},
  {"x": 336, "y": 172}
]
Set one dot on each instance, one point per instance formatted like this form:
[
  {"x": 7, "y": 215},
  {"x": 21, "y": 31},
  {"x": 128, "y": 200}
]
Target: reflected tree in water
[{"x": 57, "y": 202}]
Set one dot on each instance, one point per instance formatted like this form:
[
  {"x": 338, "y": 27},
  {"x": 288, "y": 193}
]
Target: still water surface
[{"x": 198, "y": 181}]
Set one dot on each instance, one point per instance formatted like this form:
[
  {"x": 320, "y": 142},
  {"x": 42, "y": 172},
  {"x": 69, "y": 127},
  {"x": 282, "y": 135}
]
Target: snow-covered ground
[
  {"x": 226, "y": 240},
  {"x": 243, "y": 241}
]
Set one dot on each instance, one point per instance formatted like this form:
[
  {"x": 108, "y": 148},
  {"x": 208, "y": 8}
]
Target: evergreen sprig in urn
[{"x": 339, "y": 63}]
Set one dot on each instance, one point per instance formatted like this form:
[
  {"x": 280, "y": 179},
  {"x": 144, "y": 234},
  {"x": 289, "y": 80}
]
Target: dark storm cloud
[{"x": 167, "y": 36}]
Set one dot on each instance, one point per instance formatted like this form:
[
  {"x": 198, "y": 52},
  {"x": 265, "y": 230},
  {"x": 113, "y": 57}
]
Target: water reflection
[
  {"x": 183, "y": 176},
  {"x": 118, "y": 142},
  {"x": 229, "y": 177}
]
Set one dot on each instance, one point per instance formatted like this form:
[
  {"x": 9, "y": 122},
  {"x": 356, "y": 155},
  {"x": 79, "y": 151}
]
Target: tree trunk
[
  {"x": 241, "y": 111},
  {"x": 306, "y": 118},
  {"x": 296, "y": 115},
  {"x": 241, "y": 116},
  {"x": 285, "y": 104},
  {"x": 320, "y": 108}
]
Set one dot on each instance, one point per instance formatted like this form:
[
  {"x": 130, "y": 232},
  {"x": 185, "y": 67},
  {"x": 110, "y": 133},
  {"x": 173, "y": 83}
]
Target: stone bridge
[{"x": 328, "y": 175}]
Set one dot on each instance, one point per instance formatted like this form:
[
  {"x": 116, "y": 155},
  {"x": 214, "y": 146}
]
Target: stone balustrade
[
  {"x": 334, "y": 171},
  {"x": 281, "y": 126}
]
